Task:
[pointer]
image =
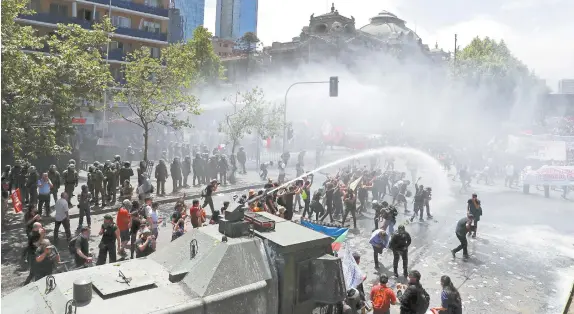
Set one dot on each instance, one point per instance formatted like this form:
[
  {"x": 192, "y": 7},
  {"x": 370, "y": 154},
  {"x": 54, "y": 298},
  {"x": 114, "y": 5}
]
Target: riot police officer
[{"x": 70, "y": 177}]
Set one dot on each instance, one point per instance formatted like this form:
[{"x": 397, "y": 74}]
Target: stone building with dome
[{"x": 333, "y": 35}]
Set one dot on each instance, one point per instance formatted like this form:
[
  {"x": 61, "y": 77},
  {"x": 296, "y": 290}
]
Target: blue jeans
[{"x": 390, "y": 224}]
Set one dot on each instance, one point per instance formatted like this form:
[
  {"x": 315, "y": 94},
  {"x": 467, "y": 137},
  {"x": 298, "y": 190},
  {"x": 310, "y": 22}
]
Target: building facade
[
  {"x": 334, "y": 36},
  {"x": 192, "y": 13},
  {"x": 149, "y": 24},
  {"x": 234, "y": 18},
  {"x": 566, "y": 86},
  {"x": 138, "y": 23}
]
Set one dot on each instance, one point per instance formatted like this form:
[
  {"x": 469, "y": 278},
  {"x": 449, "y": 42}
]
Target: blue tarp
[{"x": 330, "y": 231}]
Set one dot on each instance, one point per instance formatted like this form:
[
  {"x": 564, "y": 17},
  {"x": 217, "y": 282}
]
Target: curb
[{"x": 167, "y": 200}]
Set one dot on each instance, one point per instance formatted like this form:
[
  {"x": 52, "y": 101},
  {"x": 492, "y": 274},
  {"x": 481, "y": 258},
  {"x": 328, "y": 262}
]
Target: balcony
[
  {"x": 55, "y": 19},
  {"x": 128, "y": 5},
  {"x": 141, "y": 33},
  {"x": 117, "y": 54}
]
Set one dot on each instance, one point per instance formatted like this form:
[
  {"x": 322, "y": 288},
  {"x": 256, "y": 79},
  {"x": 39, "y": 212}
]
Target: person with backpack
[
  {"x": 415, "y": 299},
  {"x": 382, "y": 296}
]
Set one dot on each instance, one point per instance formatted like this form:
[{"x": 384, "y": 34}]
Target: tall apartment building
[
  {"x": 235, "y": 18},
  {"x": 566, "y": 86},
  {"x": 192, "y": 13},
  {"x": 138, "y": 23}
]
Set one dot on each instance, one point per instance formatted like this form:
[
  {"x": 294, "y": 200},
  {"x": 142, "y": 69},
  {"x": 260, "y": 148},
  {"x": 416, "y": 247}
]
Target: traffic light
[{"x": 334, "y": 86}]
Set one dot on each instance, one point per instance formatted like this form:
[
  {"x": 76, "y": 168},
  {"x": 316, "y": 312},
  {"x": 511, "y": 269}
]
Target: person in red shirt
[
  {"x": 195, "y": 214},
  {"x": 123, "y": 221},
  {"x": 382, "y": 296}
]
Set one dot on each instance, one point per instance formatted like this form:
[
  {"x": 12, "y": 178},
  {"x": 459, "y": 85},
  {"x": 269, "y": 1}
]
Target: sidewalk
[{"x": 251, "y": 180}]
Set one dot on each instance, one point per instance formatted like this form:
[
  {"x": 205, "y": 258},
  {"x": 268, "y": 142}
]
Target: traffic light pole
[{"x": 285, "y": 109}]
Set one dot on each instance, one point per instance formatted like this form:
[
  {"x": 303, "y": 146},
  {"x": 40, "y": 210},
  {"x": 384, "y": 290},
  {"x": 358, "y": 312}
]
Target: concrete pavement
[{"x": 521, "y": 262}]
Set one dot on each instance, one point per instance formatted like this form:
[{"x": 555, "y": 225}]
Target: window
[
  {"x": 151, "y": 27},
  {"x": 59, "y": 9},
  {"x": 35, "y": 6},
  {"x": 116, "y": 45},
  {"x": 85, "y": 14},
  {"x": 152, "y": 3},
  {"x": 121, "y": 21},
  {"x": 154, "y": 52}
]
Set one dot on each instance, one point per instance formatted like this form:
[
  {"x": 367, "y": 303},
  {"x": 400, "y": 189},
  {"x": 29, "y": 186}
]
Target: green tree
[
  {"x": 490, "y": 66},
  {"x": 252, "y": 114},
  {"x": 41, "y": 92},
  {"x": 157, "y": 89},
  {"x": 206, "y": 62},
  {"x": 248, "y": 44}
]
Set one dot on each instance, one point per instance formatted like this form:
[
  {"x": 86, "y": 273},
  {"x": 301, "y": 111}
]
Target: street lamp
[{"x": 333, "y": 92}]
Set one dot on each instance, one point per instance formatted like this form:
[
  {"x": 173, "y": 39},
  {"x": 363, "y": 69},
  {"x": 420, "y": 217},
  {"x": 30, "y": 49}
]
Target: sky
[{"x": 538, "y": 32}]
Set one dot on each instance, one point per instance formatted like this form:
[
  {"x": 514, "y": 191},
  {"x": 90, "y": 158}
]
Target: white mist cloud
[{"x": 539, "y": 32}]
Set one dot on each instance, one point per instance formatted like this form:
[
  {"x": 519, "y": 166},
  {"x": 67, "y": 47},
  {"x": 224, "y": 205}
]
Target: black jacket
[
  {"x": 409, "y": 299},
  {"x": 400, "y": 241}
]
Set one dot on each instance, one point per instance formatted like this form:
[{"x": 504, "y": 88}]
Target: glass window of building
[
  {"x": 35, "y": 6},
  {"x": 152, "y": 27},
  {"x": 121, "y": 21},
  {"x": 116, "y": 45},
  {"x": 152, "y": 3},
  {"x": 58, "y": 9}
]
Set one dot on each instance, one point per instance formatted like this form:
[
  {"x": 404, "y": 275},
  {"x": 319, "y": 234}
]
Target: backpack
[
  {"x": 72, "y": 245},
  {"x": 379, "y": 300},
  {"x": 70, "y": 176},
  {"x": 423, "y": 301}
]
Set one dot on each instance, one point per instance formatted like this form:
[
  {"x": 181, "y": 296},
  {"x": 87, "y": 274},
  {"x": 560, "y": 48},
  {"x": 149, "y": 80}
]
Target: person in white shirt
[
  {"x": 62, "y": 217},
  {"x": 154, "y": 219}
]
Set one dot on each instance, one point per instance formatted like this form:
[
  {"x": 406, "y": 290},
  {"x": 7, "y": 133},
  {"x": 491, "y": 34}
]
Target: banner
[
  {"x": 351, "y": 271},
  {"x": 533, "y": 148},
  {"x": 333, "y": 232},
  {"x": 550, "y": 175},
  {"x": 16, "y": 200}
]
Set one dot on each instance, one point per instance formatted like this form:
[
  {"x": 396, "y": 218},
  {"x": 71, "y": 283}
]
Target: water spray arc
[{"x": 434, "y": 173}]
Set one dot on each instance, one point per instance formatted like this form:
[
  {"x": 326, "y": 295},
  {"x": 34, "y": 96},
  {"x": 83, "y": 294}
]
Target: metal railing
[
  {"x": 141, "y": 33},
  {"x": 55, "y": 19},
  {"x": 160, "y": 11},
  {"x": 117, "y": 54}
]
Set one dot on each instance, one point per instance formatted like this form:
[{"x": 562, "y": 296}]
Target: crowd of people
[{"x": 343, "y": 196}]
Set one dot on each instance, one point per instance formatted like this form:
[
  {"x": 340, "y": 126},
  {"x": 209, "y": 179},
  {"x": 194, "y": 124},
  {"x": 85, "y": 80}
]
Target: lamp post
[
  {"x": 105, "y": 128},
  {"x": 333, "y": 92}
]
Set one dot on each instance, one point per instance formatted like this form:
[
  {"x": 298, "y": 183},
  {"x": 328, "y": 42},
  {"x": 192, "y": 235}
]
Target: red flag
[
  {"x": 16, "y": 200},
  {"x": 268, "y": 145}
]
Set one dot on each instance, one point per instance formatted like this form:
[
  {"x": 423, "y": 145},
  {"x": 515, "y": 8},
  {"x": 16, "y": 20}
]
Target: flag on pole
[
  {"x": 351, "y": 271},
  {"x": 353, "y": 186},
  {"x": 336, "y": 245}
]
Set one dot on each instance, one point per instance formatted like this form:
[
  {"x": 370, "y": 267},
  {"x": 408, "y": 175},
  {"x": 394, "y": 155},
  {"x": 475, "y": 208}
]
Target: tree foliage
[
  {"x": 248, "y": 41},
  {"x": 157, "y": 89},
  {"x": 252, "y": 114},
  {"x": 490, "y": 66},
  {"x": 41, "y": 92},
  {"x": 248, "y": 44},
  {"x": 206, "y": 62}
]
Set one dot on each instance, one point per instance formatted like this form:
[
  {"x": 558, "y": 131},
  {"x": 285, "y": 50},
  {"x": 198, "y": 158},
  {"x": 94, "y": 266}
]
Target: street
[{"x": 522, "y": 260}]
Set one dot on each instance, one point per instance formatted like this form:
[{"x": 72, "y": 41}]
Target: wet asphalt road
[{"x": 522, "y": 260}]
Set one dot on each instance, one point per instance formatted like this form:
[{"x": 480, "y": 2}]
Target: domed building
[
  {"x": 387, "y": 26},
  {"x": 334, "y": 36}
]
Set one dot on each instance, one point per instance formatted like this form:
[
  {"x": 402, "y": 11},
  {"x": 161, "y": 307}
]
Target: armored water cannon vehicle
[{"x": 259, "y": 264}]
